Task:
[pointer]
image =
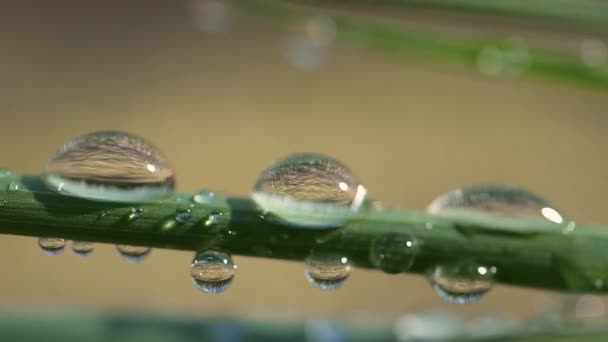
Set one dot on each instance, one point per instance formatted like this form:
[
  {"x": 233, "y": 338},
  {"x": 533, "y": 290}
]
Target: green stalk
[
  {"x": 390, "y": 37},
  {"x": 525, "y": 253}
]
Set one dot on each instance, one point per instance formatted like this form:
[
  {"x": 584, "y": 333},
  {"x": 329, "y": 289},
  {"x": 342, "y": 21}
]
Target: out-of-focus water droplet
[
  {"x": 212, "y": 271},
  {"x": 394, "y": 252},
  {"x": 110, "y": 166},
  {"x": 589, "y": 306},
  {"x": 215, "y": 219},
  {"x": 133, "y": 254},
  {"x": 309, "y": 47},
  {"x": 429, "y": 326},
  {"x": 323, "y": 330},
  {"x": 82, "y": 248},
  {"x": 183, "y": 215},
  {"x": 505, "y": 58},
  {"x": 309, "y": 190},
  {"x": 14, "y": 186},
  {"x": 490, "y": 327},
  {"x": 4, "y": 173},
  {"x": 211, "y": 16},
  {"x": 594, "y": 52},
  {"x": 134, "y": 213},
  {"x": 462, "y": 282},
  {"x": 497, "y": 200},
  {"x": 204, "y": 197},
  {"x": 327, "y": 272},
  {"x": 51, "y": 246},
  {"x": 3, "y": 202}
]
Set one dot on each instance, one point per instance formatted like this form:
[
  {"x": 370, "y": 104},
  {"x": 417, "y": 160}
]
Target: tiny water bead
[
  {"x": 82, "y": 248},
  {"x": 215, "y": 219},
  {"x": 133, "y": 254},
  {"x": 51, "y": 246},
  {"x": 204, "y": 197},
  {"x": 134, "y": 213},
  {"x": 183, "y": 215},
  {"x": 110, "y": 166},
  {"x": 309, "y": 190},
  {"x": 462, "y": 282},
  {"x": 327, "y": 272},
  {"x": 394, "y": 252},
  {"x": 212, "y": 271},
  {"x": 497, "y": 200}
]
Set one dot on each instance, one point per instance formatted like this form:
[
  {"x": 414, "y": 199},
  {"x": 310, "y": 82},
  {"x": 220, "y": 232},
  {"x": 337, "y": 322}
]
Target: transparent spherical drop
[
  {"x": 327, "y": 272},
  {"x": 133, "y": 254},
  {"x": 212, "y": 271},
  {"x": 497, "y": 200},
  {"x": 394, "y": 252},
  {"x": 51, "y": 246},
  {"x": 110, "y": 166},
  {"x": 82, "y": 248},
  {"x": 183, "y": 215},
  {"x": 309, "y": 190},
  {"x": 462, "y": 282}
]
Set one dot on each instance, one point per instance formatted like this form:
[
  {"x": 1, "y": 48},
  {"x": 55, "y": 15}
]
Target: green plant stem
[
  {"x": 388, "y": 36},
  {"x": 526, "y": 253}
]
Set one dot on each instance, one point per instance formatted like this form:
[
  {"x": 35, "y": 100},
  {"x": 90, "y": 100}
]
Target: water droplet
[
  {"x": 215, "y": 219},
  {"x": 327, "y": 272},
  {"x": 212, "y": 271},
  {"x": 429, "y": 326},
  {"x": 110, "y": 166},
  {"x": 183, "y": 215},
  {"x": 309, "y": 48},
  {"x": 505, "y": 58},
  {"x": 3, "y": 202},
  {"x": 309, "y": 190},
  {"x": 211, "y": 16},
  {"x": 497, "y": 200},
  {"x": 134, "y": 213},
  {"x": 462, "y": 282},
  {"x": 204, "y": 197},
  {"x": 4, "y": 173},
  {"x": 393, "y": 253},
  {"x": 14, "y": 186},
  {"x": 82, "y": 248},
  {"x": 594, "y": 52},
  {"x": 133, "y": 254},
  {"x": 51, "y": 246}
]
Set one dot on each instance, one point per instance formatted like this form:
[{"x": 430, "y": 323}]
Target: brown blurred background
[{"x": 224, "y": 100}]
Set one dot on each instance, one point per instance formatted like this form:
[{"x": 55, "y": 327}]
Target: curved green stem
[{"x": 541, "y": 255}]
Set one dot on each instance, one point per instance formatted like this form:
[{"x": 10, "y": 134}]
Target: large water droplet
[
  {"x": 82, "y": 248},
  {"x": 133, "y": 254},
  {"x": 212, "y": 271},
  {"x": 110, "y": 166},
  {"x": 51, "y": 246},
  {"x": 394, "y": 252},
  {"x": 327, "y": 272},
  {"x": 309, "y": 190},
  {"x": 462, "y": 282},
  {"x": 14, "y": 186},
  {"x": 497, "y": 200}
]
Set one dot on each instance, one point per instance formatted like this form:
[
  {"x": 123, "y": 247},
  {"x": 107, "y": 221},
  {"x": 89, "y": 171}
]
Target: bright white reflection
[
  {"x": 482, "y": 270},
  {"x": 343, "y": 186},
  {"x": 552, "y": 215},
  {"x": 151, "y": 168}
]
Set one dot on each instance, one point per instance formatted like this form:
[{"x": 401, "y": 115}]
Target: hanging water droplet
[
  {"x": 309, "y": 190},
  {"x": 51, "y": 246},
  {"x": 462, "y": 282},
  {"x": 110, "y": 166},
  {"x": 183, "y": 215},
  {"x": 14, "y": 186},
  {"x": 497, "y": 200},
  {"x": 204, "y": 197},
  {"x": 134, "y": 213},
  {"x": 133, "y": 254},
  {"x": 82, "y": 248},
  {"x": 505, "y": 58},
  {"x": 4, "y": 173},
  {"x": 327, "y": 272},
  {"x": 212, "y": 271},
  {"x": 394, "y": 252}
]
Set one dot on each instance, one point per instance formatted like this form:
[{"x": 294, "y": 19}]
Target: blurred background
[{"x": 224, "y": 93}]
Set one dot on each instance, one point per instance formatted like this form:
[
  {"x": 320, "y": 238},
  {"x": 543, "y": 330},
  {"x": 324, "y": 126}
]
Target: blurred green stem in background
[
  {"x": 525, "y": 253},
  {"x": 507, "y": 57}
]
